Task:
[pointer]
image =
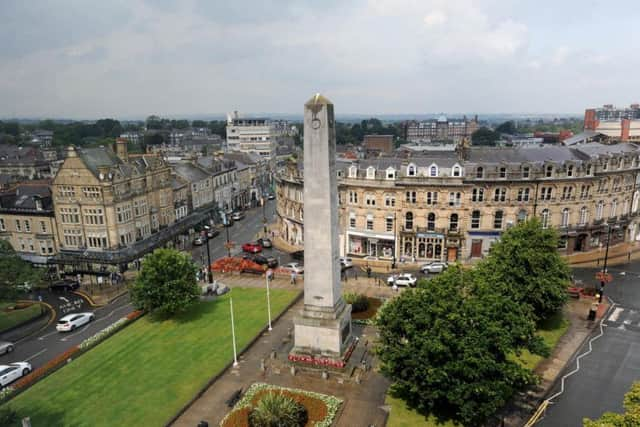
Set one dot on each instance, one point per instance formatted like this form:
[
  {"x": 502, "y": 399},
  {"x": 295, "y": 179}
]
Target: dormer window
[
  {"x": 503, "y": 172},
  {"x": 525, "y": 172},
  {"x": 479, "y": 172},
  {"x": 353, "y": 171},
  {"x": 456, "y": 171},
  {"x": 570, "y": 170},
  {"x": 433, "y": 170},
  {"x": 371, "y": 172},
  {"x": 411, "y": 170},
  {"x": 588, "y": 171},
  {"x": 605, "y": 165},
  {"x": 391, "y": 173},
  {"x": 548, "y": 171}
]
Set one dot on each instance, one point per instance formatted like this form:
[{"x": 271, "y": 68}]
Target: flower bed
[
  {"x": 321, "y": 408},
  {"x": 226, "y": 265},
  {"x": 58, "y": 361},
  {"x": 324, "y": 361}
]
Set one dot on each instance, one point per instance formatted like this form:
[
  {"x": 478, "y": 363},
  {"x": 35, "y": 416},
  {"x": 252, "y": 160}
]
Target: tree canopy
[
  {"x": 15, "y": 271},
  {"x": 166, "y": 284},
  {"x": 485, "y": 136},
  {"x": 631, "y": 416},
  {"x": 526, "y": 266},
  {"x": 446, "y": 346},
  {"x": 508, "y": 127}
]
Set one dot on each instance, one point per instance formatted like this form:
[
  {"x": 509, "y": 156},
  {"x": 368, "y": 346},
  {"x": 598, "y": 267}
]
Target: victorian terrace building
[{"x": 453, "y": 205}]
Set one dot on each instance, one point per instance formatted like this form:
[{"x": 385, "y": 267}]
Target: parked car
[
  {"x": 294, "y": 266},
  {"x": 211, "y": 232},
  {"x": 271, "y": 196},
  {"x": 404, "y": 279},
  {"x": 269, "y": 261},
  {"x": 237, "y": 216},
  {"x": 252, "y": 247},
  {"x": 198, "y": 241},
  {"x": 229, "y": 222},
  {"x": 265, "y": 242},
  {"x": 6, "y": 347},
  {"x": 222, "y": 289},
  {"x": 434, "y": 267},
  {"x": 72, "y": 321},
  {"x": 11, "y": 372},
  {"x": 298, "y": 255},
  {"x": 346, "y": 262},
  {"x": 64, "y": 285}
]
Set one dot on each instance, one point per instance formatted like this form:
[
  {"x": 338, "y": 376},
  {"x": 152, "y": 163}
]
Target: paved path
[{"x": 362, "y": 402}]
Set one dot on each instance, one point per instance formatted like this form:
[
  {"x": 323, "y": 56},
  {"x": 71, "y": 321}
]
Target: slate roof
[
  {"x": 105, "y": 157},
  {"x": 10, "y": 154},
  {"x": 190, "y": 172},
  {"x": 23, "y": 197},
  {"x": 547, "y": 153}
]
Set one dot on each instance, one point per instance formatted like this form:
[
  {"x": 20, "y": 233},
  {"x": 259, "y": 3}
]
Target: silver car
[{"x": 6, "y": 347}]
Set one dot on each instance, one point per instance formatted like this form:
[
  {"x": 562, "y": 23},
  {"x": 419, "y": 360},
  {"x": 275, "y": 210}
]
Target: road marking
[
  {"x": 47, "y": 335},
  {"x": 616, "y": 313},
  {"x": 74, "y": 334},
  {"x": 35, "y": 355}
]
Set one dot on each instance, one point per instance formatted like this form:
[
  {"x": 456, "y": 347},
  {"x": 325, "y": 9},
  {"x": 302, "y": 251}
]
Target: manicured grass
[
  {"x": 551, "y": 330},
  {"x": 402, "y": 416},
  {"x": 146, "y": 373},
  {"x": 9, "y": 319}
]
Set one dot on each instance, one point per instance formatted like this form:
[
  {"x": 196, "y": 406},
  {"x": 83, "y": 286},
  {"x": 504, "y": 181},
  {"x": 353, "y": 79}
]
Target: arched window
[
  {"x": 371, "y": 172},
  {"x": 408, "y": 221},
  {"x": 456, "y": 171},
  {"x": 453, "y": 222},
  {"x": 433, "y": 170},
  {"x": 545, "y": 218},
  {"x": 421, "y": 250},
  {"x": 522, "y": 216},
  {"x": 411, "y": 170},
  {"x": 497, "y": 220},
  {"x": 391, "y": 173},
  {"x": 614, "y": 208},
  {"x": 565, "y": 217},
  {"x": 353, "y": 171},
  {"x": 584, "y": 215},
  {"x": 479, "y": 172},
  {"x": 408, "y": 248},
  {"x": 599, "y": 210},
  {"x": 431, "y": 221}
]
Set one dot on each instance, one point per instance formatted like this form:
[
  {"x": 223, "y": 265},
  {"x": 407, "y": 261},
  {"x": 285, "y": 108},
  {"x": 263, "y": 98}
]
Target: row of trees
[
  {"x": 449, "y": 345},
  {"x": 15, "y": 272}
]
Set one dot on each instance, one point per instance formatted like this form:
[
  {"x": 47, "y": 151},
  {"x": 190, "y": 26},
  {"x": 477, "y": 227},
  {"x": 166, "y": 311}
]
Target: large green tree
[
  {"x": 525, "y": 265},
  {"x": 631, "y": 416},
  {"x": 15, "y": 271},
  {"x": 166, "y": 284},
  {"x": 508, "y": 127},
  {"x": 485, "y": 136},
  {"x": 447, "y": 345}
]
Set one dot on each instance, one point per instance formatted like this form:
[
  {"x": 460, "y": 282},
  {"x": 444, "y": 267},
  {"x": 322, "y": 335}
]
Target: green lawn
[
  {"x": 551, "y": 330},
  {"x": 144, "y": 374},
  {"x": 12, "y": 318}
]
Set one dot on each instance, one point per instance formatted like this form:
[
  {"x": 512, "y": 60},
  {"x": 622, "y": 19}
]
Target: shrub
[
  {"x": 359, "y": 302},
  {"x": 8, "y": 416},
  {"x": 277, "y": 410}
]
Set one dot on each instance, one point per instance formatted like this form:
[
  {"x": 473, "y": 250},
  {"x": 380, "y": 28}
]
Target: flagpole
[
  {"x": 233, "y": 334},
  {"x": 269, "y": 301}
]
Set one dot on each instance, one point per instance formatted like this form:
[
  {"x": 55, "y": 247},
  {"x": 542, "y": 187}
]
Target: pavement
[
  {"x": 606, "y": 374},
  {"x": 362, "y": 402}
]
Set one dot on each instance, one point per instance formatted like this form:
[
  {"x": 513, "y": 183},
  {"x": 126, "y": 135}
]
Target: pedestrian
[
  {"x": 39, "y": 298},
  {"x": 293, "y": 277},
  {"x": 368, "y": 272},
  {"x": 100, "y": 282},
  {"x": 395, "y": 287}
]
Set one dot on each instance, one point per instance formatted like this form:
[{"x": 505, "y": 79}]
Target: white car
[
  {"x": 294, "y": 266},
  {"x": 11, "y": 372},
  {"x": 72, "y": 321},
  {"x": 346, "y": 262},
  {"x": 404, "y": 279},
  {"x": 434, "y": 267}
]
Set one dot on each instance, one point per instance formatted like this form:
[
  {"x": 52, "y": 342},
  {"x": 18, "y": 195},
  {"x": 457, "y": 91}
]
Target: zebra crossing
[{"x": 624, "y": 318}]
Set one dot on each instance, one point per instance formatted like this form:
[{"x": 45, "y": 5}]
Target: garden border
[{"x": 217, "y": 376}]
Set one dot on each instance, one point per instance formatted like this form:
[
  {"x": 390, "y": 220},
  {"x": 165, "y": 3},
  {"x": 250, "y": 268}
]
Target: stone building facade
[{"x": 453, "y": 205}]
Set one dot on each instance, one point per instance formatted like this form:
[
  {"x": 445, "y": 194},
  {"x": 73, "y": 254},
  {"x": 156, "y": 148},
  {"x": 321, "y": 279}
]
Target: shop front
[
  {"x": 376, "y": 245},
  {"x": 423, "y": 246},
  {"x": 480, "y": 242}
]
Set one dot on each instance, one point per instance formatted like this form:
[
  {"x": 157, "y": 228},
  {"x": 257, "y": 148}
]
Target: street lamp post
[
  {"x": 604, "y": 266},
  {"x": 209, "y": 272},
  {"x": 233, "y": 334}
]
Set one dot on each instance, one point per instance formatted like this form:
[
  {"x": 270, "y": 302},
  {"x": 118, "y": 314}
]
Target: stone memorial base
[{"x": 323, "y": 336}]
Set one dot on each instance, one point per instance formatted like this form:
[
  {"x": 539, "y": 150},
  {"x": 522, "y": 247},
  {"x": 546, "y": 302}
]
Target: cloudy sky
[{"x": 132, "y": 58}]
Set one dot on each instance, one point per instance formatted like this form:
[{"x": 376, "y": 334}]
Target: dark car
[
  {"x": 265, "y": 242},
  {"x": 64, "y": 285},
  {"x": 269, "y": 261},
  {"x": 212, "y": 232},
  {"x": 298, "y": 255}
]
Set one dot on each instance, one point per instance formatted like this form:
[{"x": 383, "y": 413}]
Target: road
[
  {"x": 41, "y": 347},
  {"x": 608, "y": 372}
]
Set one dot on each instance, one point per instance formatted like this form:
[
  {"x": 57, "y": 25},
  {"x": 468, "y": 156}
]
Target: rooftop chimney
[{"x": 121, "y": 149}]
